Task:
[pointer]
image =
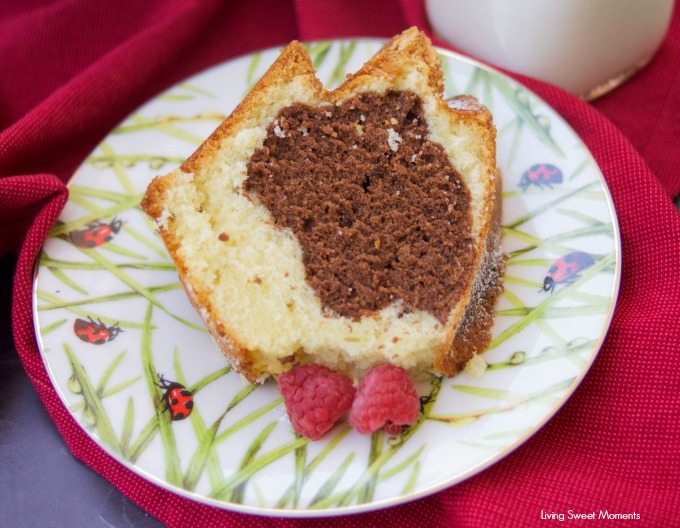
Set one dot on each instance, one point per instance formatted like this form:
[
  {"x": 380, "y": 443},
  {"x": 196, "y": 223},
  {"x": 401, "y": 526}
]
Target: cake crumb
[
  {"x": 393, "y": 139},
  {"x": 163, "y": 219},
  {"x": 476, "y": 366}
]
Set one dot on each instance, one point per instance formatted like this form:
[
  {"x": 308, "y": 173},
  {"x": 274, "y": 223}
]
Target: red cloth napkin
[{"x": 72, "y": 69}]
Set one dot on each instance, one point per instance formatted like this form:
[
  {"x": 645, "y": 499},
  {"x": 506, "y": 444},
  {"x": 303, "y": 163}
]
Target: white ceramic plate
[{"x": 236, "y": 450}]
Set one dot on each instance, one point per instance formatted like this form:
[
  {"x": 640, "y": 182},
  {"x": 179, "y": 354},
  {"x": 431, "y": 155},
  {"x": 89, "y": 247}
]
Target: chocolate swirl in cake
[{"x": 379, "y": 211}]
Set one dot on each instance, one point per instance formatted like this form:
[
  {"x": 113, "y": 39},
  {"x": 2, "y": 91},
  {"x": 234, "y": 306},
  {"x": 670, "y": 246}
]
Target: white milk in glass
[{"x": 584, "y": 46}]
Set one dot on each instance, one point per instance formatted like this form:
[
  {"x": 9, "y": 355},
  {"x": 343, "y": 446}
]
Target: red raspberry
[
  {"x": 387, "y": 397},
  {"x": 315, "y": 397}
]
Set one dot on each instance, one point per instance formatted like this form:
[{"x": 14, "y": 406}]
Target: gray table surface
[{"x": 41, "y": 483}]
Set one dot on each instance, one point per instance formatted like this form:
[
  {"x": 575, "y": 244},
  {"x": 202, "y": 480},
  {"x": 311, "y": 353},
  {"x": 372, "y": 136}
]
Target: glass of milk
[{"x": 587, "y": 47}]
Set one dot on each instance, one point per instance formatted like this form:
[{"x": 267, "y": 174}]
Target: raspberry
[
  {"x": 315, "y": 398},
  {"x": 387, "y": 397}
]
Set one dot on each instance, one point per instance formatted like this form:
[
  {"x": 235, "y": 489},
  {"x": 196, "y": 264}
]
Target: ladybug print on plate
[
  {"x": 540, "y": 175},
  {"x": 95, "y": 332},
  {"x": 566, "y": 269},
  {"x": 96, "y": 234},
  {"x": 178, "y": 400}
]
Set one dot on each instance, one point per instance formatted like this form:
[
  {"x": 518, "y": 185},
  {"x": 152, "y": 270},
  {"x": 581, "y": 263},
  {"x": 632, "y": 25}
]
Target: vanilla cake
[{"x": 347, "y": 228}]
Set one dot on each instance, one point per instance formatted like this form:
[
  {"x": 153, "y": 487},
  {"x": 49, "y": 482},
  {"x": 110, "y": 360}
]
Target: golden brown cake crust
[
  {"x": 409, "y": 49},
  {"x": 294, "y": 61},
  {"x": 404, "y": 53},
  {"x": 473, "y": 334}
]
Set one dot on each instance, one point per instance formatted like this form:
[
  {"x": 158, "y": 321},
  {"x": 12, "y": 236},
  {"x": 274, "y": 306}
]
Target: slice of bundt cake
[{"x": 347, "y": 228}]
